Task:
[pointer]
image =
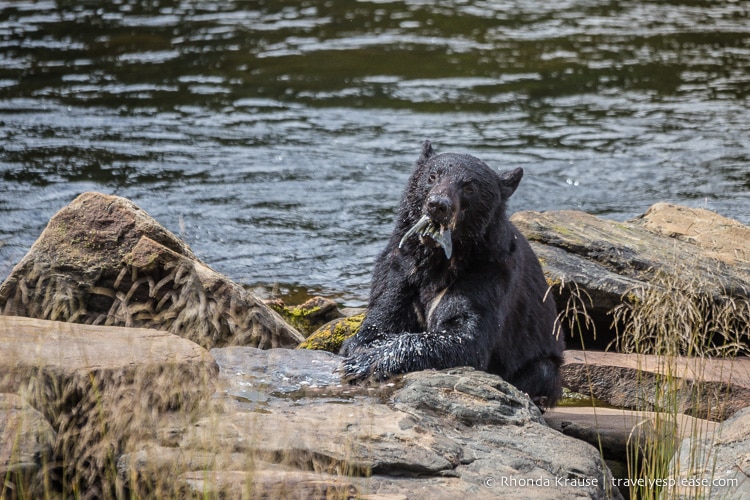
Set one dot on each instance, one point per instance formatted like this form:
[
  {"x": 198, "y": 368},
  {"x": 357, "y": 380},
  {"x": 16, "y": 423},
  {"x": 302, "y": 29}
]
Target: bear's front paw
[{"x": 356, "y": 368}]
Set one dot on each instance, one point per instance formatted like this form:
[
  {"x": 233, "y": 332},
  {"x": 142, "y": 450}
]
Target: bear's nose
[{"x": 439, "y": 208}]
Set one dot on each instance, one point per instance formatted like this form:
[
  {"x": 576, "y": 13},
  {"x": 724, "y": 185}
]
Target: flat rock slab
[
  {"x": 719, "y": 237},
  {"x": 707, "y": 388},
  {"x": 617, "y": 429},
  {"x": 103, "y": 260},
  {"x": 100, "y": 387},
  {"x": 29, "y": 344},
  {"x": 431, "y": 434}
]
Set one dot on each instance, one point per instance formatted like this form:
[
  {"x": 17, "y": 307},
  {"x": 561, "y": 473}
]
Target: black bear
[{"x": 458, "y": 285}]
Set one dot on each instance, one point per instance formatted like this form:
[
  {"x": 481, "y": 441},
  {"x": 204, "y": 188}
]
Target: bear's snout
[{"x": 440, "y": 208}]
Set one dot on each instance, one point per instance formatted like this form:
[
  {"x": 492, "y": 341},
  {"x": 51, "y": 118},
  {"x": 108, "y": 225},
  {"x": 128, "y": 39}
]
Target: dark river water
[{"x": 275, "y": 136}]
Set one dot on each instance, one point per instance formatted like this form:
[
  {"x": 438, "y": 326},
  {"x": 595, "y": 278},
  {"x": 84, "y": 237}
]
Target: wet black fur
[{"x": 493, "y": 314}]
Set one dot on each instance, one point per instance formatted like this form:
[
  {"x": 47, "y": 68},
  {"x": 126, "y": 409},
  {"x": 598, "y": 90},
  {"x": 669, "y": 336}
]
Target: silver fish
[{"x": 426, "y": 227}]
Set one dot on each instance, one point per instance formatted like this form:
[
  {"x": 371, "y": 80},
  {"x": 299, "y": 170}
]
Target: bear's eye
[
  {"x": 432, "y": 178},
  {"x": 469, "y": 189}
]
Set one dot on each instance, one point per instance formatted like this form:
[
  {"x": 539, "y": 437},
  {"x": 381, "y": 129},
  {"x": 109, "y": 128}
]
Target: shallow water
[{"x": 275, "y": 137}]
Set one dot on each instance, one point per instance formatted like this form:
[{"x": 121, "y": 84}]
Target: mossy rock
[
  {"x": 309, "y": 316},
  {"x": 330, "y": 336}
]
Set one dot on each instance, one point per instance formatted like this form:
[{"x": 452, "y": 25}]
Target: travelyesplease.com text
[{"x": 593, "y": 482}]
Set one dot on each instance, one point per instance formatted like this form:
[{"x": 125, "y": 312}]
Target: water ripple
[{"x": 276, "y": 137}]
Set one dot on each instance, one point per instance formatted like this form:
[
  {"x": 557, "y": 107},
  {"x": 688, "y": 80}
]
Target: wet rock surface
[{"x": 427, "y": 435}]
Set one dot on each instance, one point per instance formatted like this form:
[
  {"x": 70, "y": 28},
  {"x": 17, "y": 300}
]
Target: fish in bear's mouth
[{"x": 428, "y": 228}]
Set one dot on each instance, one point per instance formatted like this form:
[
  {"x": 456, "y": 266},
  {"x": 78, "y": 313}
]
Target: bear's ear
[
  {"x": 427, "y": 153},
  {"x": 509, "y": 181}
]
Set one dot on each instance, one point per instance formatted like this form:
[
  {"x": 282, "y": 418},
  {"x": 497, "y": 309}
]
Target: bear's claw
[{"x": 355, "y": 370}]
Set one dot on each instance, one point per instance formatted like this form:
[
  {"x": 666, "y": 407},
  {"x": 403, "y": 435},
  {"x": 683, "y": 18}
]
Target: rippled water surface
[{"x": 275, "y": 137}]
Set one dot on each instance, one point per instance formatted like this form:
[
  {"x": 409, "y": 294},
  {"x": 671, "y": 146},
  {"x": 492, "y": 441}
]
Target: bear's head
[{"x": 455, "y": 199}]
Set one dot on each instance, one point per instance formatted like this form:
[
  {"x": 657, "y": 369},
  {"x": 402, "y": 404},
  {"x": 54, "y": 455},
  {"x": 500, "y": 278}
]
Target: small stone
[{"x": 308, "y": 316}]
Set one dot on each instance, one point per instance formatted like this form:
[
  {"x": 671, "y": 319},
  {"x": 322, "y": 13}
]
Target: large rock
[
  {"x": 601, "y": 263},
  {"x": 103, "y": 260},
  {"x": 291, "y": 429},
  {"x": 707, "y": 388},
  {"x": 101, "y": 388},
  {"x": 714, "y": 465}
]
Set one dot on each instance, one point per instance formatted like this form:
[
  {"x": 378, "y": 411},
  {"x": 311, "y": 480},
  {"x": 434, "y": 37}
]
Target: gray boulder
[
  {"x": 289, "y": 427},
  {"x": 602, "y": 263},
  {"x": 714, "y": 465}
]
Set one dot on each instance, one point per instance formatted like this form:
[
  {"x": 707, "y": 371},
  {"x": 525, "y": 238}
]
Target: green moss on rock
[
  {"x": 309, "y": 316},
  {"x": 330, "y": 336}
]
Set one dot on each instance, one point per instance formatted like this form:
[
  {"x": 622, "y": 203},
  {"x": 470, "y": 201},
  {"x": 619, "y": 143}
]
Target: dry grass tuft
[{"x": 672, "y": 317}]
